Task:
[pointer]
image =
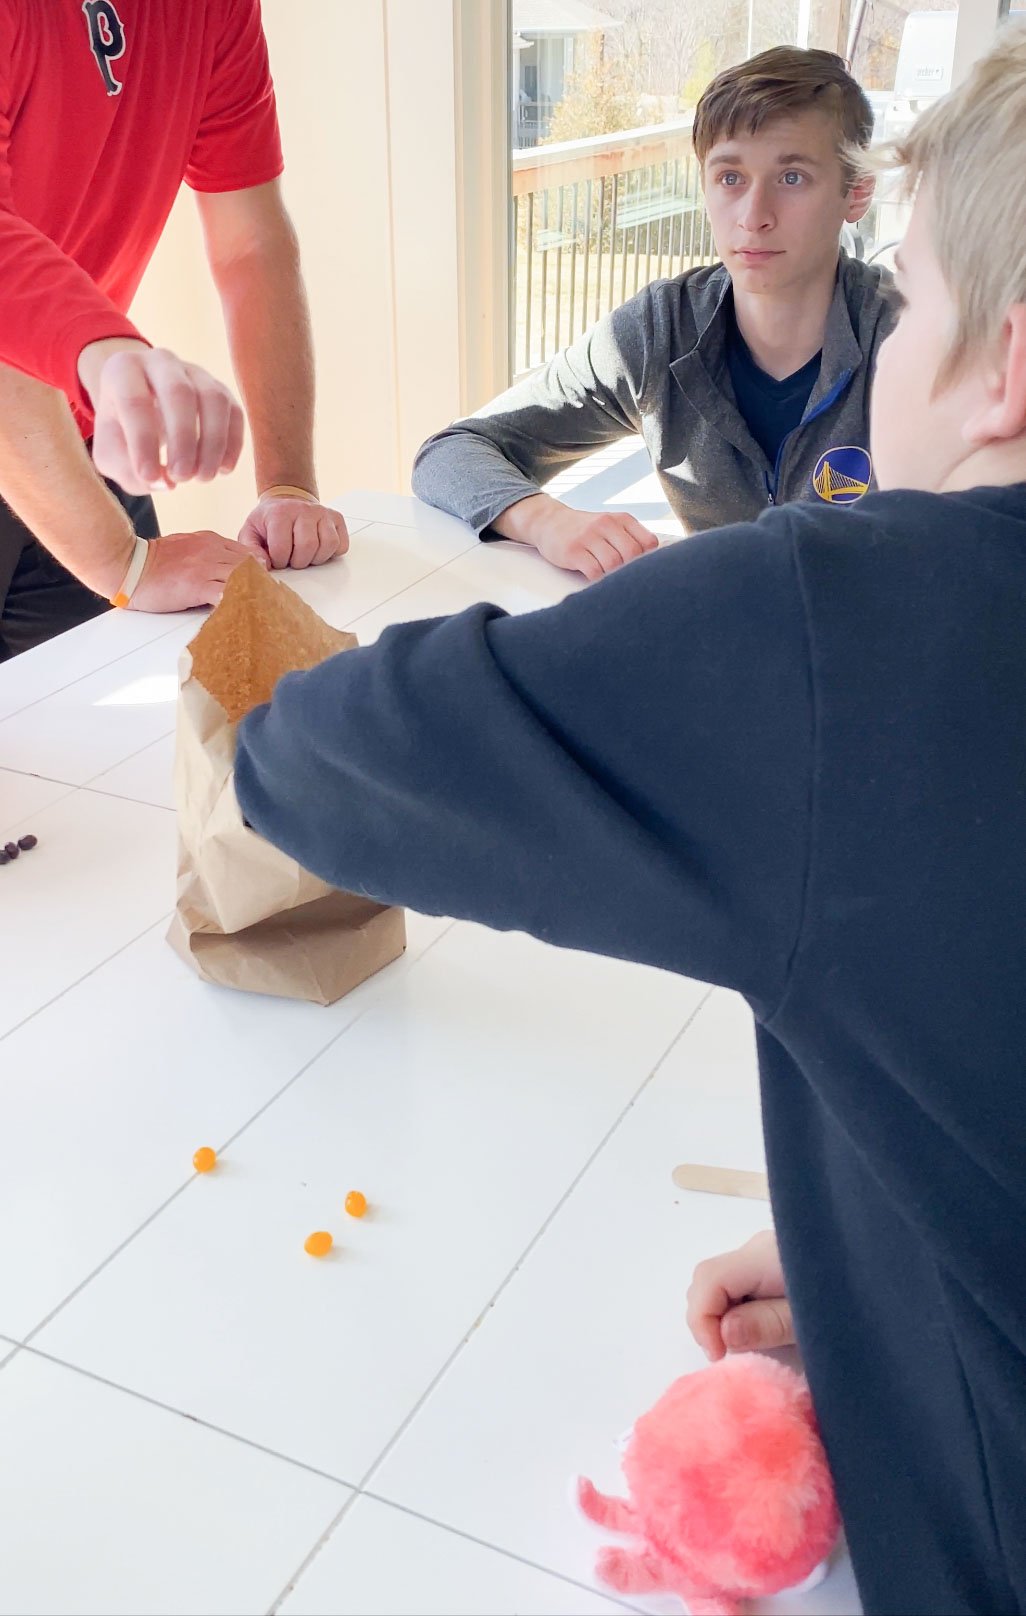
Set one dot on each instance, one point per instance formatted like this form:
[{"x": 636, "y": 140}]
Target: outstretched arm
[{"x": 627, "y": 772}]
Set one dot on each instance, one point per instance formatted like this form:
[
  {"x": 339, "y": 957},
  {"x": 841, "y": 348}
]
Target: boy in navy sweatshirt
[{"x": 789, "y": 757}]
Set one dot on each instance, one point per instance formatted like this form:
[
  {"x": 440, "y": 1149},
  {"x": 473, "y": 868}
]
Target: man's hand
[
  {"x": 294, "y": 532},
  {"x": 159, "y": 420},
  {"x": 186, "y": 569},
  {"x": 579, "y": 541},
  {"x": 738, "y": 1303}
]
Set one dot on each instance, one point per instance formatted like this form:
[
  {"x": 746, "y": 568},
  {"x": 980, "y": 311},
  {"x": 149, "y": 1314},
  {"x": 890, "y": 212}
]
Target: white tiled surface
[
  {"x": 196, "y": 1394},
  {"x": 398, "y": 510},
  {"x": 103, "y": 872},
  {"x": 382, "y": 561},
  {"x": 464, "y": 1119},
  {"x": 96, "y": 721},
  {"x": 152, "y": 1512},
  {"x": 590, "y": 1332},
  {"x": 38, "y": 674},
  {"x": 105, "y": 1098}
]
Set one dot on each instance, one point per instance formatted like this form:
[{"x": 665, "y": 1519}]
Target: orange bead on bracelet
[{"x": 136, "y": 568}]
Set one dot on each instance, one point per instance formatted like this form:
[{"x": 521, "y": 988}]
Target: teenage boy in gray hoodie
[{"x": 748, "y": 381}]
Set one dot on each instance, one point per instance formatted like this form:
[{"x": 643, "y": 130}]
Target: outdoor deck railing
[{"x": 596, "y": 220}]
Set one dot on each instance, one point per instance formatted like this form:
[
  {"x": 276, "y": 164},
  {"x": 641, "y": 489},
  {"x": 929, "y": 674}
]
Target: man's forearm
[
  {"x": 48, "y": 480},
  {"x": 268, "y": 325}
]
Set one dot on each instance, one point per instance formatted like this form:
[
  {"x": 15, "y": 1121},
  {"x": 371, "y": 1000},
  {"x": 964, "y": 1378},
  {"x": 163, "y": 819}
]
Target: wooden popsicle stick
[{"x": 721, "y": 1181}]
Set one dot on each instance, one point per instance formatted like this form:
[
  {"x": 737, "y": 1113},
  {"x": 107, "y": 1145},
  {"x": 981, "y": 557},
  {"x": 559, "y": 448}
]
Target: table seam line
[
  {"x": 129, "y": 758},
  {"x": 152, "y": 926},
  {"x": 180, "y": 1413},
  {"x": 414, "y": 583},
  {"x": 511, "y": 1554},
  {"x": 67, "y": 792},
  {"x": 412, "y": 527},
  {"x": 16, "y": 1348},
  {"x": 116, "y": 796}
]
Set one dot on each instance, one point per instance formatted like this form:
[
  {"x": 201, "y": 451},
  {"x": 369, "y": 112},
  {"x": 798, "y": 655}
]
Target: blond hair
[
  {"x": 969, "y": 151},
  {"x": 779, "y": 83}
]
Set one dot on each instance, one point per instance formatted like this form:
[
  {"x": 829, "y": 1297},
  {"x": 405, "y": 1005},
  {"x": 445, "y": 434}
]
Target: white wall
[{"x": 366, "y": 101}]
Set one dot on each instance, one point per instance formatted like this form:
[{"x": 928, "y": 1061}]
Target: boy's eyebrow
[{"x": 733, "y": 159}]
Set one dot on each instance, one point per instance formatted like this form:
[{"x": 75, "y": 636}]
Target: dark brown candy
[
  {"x": 11, "y": 849},
  {"x": 27, "y": 843},
  {"x": 5, "y": 857}
]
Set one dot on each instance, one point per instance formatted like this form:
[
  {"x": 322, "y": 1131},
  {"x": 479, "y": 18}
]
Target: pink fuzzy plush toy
[{"x": 730, "y": 1492}]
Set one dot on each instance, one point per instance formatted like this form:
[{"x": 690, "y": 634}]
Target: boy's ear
[
  {"x": 1002, "y": 415},
  {"x": 859, "y": 198}
]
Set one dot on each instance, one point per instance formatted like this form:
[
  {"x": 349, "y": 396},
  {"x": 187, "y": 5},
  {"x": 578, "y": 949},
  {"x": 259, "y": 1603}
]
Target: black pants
[{"x": 38, "y": 597}]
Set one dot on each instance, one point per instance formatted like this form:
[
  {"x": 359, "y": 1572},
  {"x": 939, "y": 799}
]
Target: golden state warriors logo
[{"x": 843, "y": 475}]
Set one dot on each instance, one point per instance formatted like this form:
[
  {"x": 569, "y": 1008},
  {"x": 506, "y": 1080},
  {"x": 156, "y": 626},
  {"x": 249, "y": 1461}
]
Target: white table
[{"x": 194, "y": 1415}]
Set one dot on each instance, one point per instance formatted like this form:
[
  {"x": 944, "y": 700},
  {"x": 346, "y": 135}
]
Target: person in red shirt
[{"x": 105, "y": 107}]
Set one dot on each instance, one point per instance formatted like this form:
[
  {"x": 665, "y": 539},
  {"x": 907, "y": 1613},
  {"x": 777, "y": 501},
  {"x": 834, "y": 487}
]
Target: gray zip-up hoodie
[{"x": 658, "y": 366}]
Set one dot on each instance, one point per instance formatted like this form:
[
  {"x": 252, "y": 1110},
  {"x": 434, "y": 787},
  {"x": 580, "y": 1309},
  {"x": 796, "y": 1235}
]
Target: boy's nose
[{"x": 757, "y": 213}]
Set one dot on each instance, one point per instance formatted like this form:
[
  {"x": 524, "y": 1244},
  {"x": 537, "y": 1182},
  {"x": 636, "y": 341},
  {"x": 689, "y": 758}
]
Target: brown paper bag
[{"x": 248, "y": 916}]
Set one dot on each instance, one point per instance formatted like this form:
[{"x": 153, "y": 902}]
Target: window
[
  {"x": 904, "y": 58},
  {"x": 606, "y": 192}
]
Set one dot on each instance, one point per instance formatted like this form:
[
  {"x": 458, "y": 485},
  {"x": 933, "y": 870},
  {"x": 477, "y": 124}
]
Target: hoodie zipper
[{"x": 773, "y": 482}]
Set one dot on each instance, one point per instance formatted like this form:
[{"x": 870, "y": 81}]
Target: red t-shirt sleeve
[
  {"x": 51, "y": 307},
  {"x": 238, "y": 144}
]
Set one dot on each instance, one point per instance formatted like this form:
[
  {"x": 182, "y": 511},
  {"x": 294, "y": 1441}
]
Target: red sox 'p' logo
[{"x": 106, "y": 38}]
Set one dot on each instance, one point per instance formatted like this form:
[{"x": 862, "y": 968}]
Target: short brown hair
[{"x": 776, "y": 84}]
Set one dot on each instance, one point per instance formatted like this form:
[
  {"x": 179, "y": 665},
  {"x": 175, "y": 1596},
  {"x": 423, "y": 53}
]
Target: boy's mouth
[{"x": 753, "y": 255}]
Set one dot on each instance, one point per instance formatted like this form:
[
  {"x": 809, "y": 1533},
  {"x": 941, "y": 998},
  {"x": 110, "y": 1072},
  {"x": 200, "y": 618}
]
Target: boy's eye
[
  {"x": 793, "y": 178},
  {"x": 730, "y": 178}
]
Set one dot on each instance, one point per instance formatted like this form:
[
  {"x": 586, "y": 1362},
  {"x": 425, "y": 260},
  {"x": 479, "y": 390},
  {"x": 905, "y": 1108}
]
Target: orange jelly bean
[
  {"x": 205, "y": 1159},
  {"x": 356, "y": 1204},
  {"x": 319, "y": 1244}
]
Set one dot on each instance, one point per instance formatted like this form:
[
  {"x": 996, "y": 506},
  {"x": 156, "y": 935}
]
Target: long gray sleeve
[{"x": 584, "y": 398}]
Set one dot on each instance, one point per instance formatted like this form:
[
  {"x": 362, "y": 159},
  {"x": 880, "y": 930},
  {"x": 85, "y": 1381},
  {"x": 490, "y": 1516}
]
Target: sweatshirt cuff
[{"x": 485, "y": 532}]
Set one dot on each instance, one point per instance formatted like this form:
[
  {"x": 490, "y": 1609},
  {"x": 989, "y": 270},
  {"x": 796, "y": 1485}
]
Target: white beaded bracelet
[{"x": 130, "y": 581}]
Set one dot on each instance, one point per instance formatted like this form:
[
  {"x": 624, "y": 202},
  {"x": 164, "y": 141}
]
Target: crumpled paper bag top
[
  {"x": 248, "y": 916},
  {"x": 260, "y": 631}
]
